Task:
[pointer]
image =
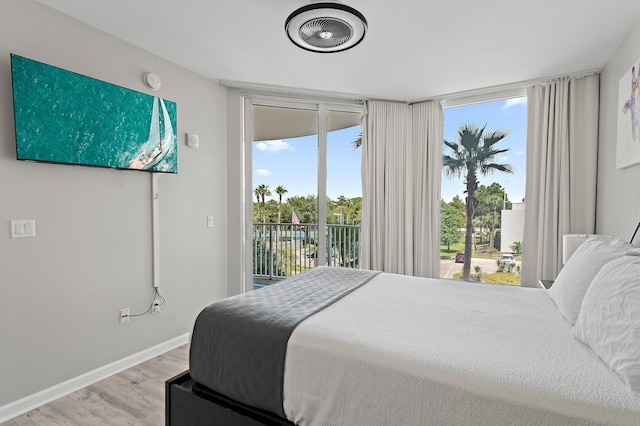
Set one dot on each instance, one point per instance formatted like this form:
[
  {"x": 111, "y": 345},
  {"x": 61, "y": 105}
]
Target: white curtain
[
  {"x": 401, "y": 171},
  {"x": 562, "y": 144}
]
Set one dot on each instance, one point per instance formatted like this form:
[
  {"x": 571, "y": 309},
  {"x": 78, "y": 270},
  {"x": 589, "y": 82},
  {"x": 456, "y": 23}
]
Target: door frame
[{"x": 322, "y": 108}]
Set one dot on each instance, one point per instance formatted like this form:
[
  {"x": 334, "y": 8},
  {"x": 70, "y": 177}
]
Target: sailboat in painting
[{"x": 159, "y": 145}]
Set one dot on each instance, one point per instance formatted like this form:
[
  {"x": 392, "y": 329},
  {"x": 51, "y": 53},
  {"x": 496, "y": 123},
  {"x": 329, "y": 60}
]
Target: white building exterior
[{"x": 512, "y": 227}]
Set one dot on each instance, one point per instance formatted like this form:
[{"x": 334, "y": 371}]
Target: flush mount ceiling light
[{"x": 326, "y": 27}]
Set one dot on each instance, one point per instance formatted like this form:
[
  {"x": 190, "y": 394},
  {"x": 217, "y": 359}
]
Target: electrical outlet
[
  {"x": 157, "y": 306},
  {"x": 124, "y": 315}
]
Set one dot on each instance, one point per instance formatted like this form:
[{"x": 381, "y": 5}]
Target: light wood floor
[{"x": 132, "y": 397}]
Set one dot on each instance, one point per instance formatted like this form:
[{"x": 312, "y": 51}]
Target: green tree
[
  {"x": 458, "y": 204},
  {"x": 349, "y": 210},
  {"x": 280, "y": 190},
  {"x": 256, "y": 210},
  {"x": 491, "y": 200},
  {"x": 270, "y": 211},
  {"x": 305, "y": 207},
  {"x": 343, "y": 209},
  {"x": 473, "y": 153},
  {"x": 355, "y": 210},
  {"x": 451, "y": 221},
  {"x": 262, "y": 191},
  {"x": 516, "y": 247}
]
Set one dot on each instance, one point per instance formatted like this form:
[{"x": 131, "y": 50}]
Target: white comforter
[{"x": 412, "y": 351}]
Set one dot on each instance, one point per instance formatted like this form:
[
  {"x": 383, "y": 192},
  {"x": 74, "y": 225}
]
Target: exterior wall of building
[{"x": 512, "y": 227}]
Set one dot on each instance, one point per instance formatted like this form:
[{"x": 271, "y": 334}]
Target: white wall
[
  {"x": 60, "y": 292},
  {"x": 618, "y": 204},
  {"x": 235, "y": 208},
  {"x": 512, "y": 227}
]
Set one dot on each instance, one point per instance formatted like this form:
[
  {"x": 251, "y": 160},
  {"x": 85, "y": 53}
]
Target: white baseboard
[{"x": 30, "y": 402}]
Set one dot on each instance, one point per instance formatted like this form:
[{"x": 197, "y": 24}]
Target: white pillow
[
  {"x": 573, "y": 280},
  {"x": 609, "y": 320},
  {"x": 620, "y": 243}
]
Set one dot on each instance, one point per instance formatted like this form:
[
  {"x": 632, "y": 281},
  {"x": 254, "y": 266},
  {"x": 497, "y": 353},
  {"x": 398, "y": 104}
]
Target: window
[{"x": 495, "y": 220}]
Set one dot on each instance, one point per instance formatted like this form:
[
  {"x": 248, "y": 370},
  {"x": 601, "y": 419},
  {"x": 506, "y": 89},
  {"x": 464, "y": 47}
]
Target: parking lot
[{"x": 449, "y": 267}]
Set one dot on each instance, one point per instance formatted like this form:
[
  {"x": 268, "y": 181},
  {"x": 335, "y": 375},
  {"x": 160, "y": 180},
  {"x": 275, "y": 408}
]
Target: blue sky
[
  {"x": 292, "y": 163},
  {"x": 508, "y": 114}
]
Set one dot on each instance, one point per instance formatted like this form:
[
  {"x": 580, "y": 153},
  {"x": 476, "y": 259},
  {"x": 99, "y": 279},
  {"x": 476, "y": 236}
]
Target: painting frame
[
  {"x": 64, "y": 117},
  {"x": 628, "y": 112}
]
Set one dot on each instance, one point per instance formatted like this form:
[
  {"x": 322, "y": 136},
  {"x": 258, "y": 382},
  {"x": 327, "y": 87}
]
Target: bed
[{"x": 369, "y": 348}]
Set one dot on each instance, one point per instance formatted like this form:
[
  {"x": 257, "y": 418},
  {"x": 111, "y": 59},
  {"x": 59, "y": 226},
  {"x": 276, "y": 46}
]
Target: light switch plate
[{"x": 23, "y": 228}]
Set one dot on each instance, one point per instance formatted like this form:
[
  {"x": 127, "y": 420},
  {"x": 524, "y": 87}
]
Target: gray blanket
[{"x": 238, "y": 345}]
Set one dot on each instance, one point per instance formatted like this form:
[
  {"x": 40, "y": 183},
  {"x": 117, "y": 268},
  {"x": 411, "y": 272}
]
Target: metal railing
[{"x": 282, "y": 250}]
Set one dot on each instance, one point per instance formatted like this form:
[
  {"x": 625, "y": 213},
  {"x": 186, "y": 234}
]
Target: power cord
[{"x": 158, "y": 302}]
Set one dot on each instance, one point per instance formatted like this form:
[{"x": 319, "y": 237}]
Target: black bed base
[{"x": 190, "y": 404}]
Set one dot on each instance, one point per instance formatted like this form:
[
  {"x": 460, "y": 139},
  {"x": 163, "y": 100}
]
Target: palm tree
[
  {"x": 280, "y": 190},
  {"x": 492, "y": 198},
  {"x": 343, "y": 204},
  {"x": 263, "y": 191},
  {"x": 256, "y": 192},
  {"x": 473, "y": 153},
  {"x": 358, "y": 142}
]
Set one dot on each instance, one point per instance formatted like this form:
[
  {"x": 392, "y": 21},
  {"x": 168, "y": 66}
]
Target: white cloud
[
  {"x": 274, "y": 146},
  {"x": 513, "y": 102},
  {"x": 262, "y": 172}
]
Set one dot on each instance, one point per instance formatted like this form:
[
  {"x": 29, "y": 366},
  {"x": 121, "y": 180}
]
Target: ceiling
[
  {"x": 271, "y": 123},
  {"x": 413, "y": 50}
]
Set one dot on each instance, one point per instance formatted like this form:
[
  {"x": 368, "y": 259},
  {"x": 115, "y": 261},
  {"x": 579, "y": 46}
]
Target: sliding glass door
[{"x": 299, "y": 156}]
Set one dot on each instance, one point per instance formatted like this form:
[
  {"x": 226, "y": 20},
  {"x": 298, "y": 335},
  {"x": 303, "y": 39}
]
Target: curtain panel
[
  {"x": 562, "y": 146},
  {"x": 401, "y": 172}
]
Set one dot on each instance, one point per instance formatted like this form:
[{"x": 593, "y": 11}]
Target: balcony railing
[{"x": 281, "y": 250}]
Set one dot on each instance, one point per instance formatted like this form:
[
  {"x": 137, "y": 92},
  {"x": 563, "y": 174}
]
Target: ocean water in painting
[{"x": 65, "y": 117}]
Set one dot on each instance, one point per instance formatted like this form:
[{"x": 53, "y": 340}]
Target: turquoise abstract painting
[{"x": 65, "y": 117}]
